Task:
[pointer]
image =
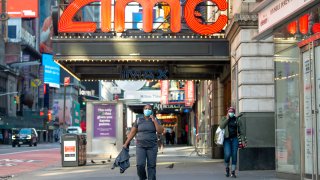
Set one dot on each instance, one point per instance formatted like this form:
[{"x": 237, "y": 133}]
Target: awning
[{"x": 105, "y": 58}]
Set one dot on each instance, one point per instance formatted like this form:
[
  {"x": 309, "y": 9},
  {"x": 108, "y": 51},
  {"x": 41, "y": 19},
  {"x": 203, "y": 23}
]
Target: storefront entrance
[{"x": 311, "y": 105}]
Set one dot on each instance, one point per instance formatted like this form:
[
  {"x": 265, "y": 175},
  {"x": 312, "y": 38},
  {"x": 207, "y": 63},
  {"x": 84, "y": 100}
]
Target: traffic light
[
  {"x": 49, "y": 115},
  {"x": 16, "y": 99},
  {"x": 83, "y": 101}
]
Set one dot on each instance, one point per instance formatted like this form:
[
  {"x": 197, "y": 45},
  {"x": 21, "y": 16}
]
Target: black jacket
[{"x": 122, "y": 160}]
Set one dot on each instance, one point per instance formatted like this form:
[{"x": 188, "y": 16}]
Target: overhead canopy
[{"x": 110, "y": 58}]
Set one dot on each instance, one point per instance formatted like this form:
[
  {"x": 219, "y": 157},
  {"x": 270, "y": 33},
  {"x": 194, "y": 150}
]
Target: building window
[
  {"x": 12, "y": 32},
  {"x": 287, "y": 108}
]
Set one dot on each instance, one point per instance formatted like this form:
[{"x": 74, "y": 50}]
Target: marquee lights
[
  {"x": 215, "y": 36},
  {"x": 67, "y": 25},
  {"x": 92, "y": 80}
]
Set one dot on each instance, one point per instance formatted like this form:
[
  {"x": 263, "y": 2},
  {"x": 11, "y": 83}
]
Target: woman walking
[
  {"x": 145, "y": 130},
  {"x": 233, "y": 127}
]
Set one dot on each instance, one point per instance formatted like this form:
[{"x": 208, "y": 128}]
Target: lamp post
[{"x": 66, "y": 83}]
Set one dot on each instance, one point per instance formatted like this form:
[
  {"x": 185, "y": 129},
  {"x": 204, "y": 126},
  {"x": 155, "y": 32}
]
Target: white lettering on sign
[
  {"x": 278, "y": 11},
  {"x": 87, "y": 93}
]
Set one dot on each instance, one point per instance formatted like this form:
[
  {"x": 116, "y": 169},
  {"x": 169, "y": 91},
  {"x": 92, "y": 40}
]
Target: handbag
[
  {"x": 219, "y": 136},
  {"x": 242, "y": 142}
]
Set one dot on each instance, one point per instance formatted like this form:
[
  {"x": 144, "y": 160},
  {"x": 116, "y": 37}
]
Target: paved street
[
  {"x": 9, "y": 149},
  {"x": 25, "y": 159},
  {"x": 46, "y": 165}
]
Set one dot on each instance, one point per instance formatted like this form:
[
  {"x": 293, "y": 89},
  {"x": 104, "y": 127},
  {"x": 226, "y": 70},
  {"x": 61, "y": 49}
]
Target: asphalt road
[
  {"x": 24, "y": 159},
  {"x": 7, "y": 149}
]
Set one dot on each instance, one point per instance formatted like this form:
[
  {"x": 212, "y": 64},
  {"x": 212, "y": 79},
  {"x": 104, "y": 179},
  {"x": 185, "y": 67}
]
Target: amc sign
[{"x": 67, "y": 25}]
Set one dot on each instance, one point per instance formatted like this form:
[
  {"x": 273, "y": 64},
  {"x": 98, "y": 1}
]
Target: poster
[
  {"x": 46, "y": 26},
  {"x": 57, "y": 111},
  {"x": 307, "y": 72},
  {"x": 70, "y": 151},
  {"x": 189, "y": 92},
  {"x": 164, "y": 92},
  {"x": 104, "y": 120}
]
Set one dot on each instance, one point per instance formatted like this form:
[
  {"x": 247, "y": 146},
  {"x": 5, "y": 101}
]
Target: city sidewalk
[{"x": 185, "y": 167}]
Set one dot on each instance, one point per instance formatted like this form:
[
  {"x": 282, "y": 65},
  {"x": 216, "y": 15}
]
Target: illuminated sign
[{"x": 67, "y": 25}]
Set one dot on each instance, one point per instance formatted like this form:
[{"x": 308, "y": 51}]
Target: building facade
[
  {"x": 292, "y": 27},
  {"x": 252, "y": 86}
]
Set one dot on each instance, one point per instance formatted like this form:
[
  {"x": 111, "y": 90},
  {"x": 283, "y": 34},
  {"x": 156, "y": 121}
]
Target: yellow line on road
[{"x": 68, "y": 172}]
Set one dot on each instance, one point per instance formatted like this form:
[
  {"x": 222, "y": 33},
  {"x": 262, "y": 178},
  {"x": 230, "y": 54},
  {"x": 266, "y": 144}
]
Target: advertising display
[
  {"x": 57, "y": 111},
  {"x": 51, "y": 71},
  {"x": 177, "y": 92},
  {"x": 76, "y": 113},
  {"x": 22, "y": 8},
  {"x": 104, "y": 120},
  {"x": 46, "y": 27},
  {"x": 164, "y": 92},
  {"x": 70, "y": 151},
  {"x": 143, "y": 95},
  {"x": 308, "y": 124},
  {"x": 189, "y": 88}
]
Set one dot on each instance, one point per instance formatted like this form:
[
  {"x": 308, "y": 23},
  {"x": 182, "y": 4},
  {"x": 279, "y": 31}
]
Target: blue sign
[{"x": 51, "y": 71}]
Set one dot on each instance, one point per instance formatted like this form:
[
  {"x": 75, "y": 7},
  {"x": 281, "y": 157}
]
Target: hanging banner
[
  {"x": 164, "y": 92},
  {"x": 189, "y": 93}
]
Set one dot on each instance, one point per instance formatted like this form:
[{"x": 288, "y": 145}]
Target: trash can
[{"x": 73, "y": 150}]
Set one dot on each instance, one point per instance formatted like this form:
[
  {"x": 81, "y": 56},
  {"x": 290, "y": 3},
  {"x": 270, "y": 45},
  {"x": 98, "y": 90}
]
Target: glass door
[
  {"x": 317, "y": 104},
  {"x": 311, "y": 106}
]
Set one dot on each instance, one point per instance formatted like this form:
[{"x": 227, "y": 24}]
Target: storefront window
[
  {"x": 302, "y": 27},
  {"x": 287, "y": 107}
]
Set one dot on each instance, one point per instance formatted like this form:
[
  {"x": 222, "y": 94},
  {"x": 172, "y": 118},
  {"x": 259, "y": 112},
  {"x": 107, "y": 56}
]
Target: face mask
[
  {"x": 231, "y": 114},
  {"x": 147, "y": 112}
]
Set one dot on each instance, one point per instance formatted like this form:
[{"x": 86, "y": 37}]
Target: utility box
[{"x": 73, "y": 150}]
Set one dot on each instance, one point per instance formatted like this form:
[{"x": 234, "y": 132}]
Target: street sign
[
  {"x": 66, "y": 81},
  {"x": 36, "y": 82}
]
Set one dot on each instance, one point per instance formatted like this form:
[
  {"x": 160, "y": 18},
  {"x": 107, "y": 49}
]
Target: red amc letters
[{"x": 66, "y": 24}]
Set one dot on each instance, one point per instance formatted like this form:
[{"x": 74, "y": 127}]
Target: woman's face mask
[
  {"x": 231, "y": 114},
  {"x": 147, "y": 112}
]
